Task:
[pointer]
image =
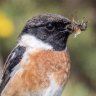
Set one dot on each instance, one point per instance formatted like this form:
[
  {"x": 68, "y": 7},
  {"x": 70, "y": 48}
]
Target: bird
[{"x": 39, "y": 65}]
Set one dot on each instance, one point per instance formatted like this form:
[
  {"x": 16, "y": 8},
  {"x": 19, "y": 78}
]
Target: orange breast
[
  {"x": 44, "y": 63},
  {"x": 34, "y": 75}
]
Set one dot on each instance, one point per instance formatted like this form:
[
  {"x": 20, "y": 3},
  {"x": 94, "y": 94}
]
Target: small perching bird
[{"x": 39, "y": 65}]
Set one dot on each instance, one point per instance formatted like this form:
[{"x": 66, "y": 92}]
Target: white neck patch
[{"x": 33, "y": 42}]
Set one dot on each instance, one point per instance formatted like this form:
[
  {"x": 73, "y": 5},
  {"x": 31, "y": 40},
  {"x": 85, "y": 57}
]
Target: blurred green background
[{"x": 14, "y": 14}]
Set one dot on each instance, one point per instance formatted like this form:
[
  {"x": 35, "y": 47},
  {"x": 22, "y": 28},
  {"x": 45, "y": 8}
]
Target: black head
[{"x": 49, "y": 28}]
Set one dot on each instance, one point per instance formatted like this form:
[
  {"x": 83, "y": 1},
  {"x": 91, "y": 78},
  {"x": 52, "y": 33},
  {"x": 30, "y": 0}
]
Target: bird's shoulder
[{"x": 12, "y": 61}]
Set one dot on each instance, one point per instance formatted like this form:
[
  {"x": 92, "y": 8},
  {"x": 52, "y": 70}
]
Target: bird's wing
[{"x": 13, "y": 59}]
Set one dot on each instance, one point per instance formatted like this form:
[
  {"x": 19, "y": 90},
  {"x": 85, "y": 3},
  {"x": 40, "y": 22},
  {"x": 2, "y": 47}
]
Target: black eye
[{"x": 50, "y": 26}]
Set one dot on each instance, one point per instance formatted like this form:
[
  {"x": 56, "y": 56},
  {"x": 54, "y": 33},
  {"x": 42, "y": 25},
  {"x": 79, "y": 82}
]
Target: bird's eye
[{"x": 50, "y": 26}]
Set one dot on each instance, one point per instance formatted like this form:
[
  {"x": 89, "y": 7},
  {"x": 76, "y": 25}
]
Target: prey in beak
[{"x": 77, "y": 27}]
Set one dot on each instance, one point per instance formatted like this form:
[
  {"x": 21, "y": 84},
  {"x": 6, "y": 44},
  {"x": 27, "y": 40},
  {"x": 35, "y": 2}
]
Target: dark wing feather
[{"x": 13, "y": 59}]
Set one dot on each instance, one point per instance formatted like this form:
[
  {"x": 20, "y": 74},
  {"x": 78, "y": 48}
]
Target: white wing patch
[{"x": 15, "y": 69}]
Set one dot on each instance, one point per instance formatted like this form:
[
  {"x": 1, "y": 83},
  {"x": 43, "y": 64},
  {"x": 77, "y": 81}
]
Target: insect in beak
[{"x": 77, "y": 27}]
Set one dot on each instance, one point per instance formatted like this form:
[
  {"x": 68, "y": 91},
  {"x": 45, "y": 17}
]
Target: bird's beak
[{"x": 77, "y": 27}]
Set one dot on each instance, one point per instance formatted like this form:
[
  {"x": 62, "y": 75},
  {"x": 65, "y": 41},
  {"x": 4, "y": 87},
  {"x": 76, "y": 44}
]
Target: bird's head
[{"x": 49, "y": 31}]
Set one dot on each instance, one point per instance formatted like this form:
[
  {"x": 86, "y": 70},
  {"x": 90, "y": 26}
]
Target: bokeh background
[{"x": 14, "y": 14}]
